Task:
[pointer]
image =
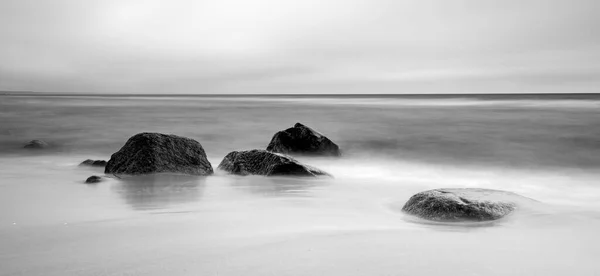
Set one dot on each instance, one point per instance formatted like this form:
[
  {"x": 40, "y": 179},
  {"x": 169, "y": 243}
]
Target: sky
[{"x": 300, "y": 46}]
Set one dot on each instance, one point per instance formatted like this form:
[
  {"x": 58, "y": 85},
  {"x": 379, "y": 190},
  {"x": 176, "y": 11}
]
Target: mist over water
[
  {"x": 515, "y": 131},
  {"x": 547, "y": 149}
]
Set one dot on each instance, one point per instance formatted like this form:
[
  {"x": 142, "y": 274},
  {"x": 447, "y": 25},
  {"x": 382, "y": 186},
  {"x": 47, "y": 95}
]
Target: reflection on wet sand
[{"x": 159, "y": 191}]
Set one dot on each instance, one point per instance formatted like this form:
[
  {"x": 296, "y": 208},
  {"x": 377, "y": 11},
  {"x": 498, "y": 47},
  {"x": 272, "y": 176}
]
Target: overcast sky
[{"x": 300, "y": 46}]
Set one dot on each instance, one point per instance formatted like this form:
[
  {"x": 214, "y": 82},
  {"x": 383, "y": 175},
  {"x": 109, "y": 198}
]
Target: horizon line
[{"x": 232, "y": 95}]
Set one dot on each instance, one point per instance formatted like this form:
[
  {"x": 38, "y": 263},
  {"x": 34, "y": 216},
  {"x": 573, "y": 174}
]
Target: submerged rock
[
  {"x": 146, "y": 153},
  {"x": 94, "y": 163},
  {"x": 36, "y": 144},
  {"x": 462, "y": 204},
  {"x": 261, "y": 162},
  {"x": 93, "y": 179},
  {"x": 301, "y": 139}
]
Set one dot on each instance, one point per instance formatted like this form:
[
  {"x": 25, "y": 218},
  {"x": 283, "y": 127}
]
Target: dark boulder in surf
[
  {"x": 261, "y": 162},
  {"x": 146, "y": 153},
  {"x": 93, "y": 179},
  {"x": 301, "y": 139},
  {"x": 93, "y": 163},
  {"x": 36, "y": 144},
  {"x": 467, "y": 204}
]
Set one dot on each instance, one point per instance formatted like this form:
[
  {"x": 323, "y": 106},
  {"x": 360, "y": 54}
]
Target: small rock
[
  {"x": 462, "y": 204},
  {"x": 261, "y": 162},
  {"x": 94, "y": 163},
  {"x": 93, "y": 179},
  {"x": 36, "y": 144},
  {"x": 301, "y": 139}
]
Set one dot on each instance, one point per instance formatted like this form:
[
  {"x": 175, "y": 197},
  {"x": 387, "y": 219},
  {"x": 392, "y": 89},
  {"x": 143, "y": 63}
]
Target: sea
[{"x": 542, "y": 146}]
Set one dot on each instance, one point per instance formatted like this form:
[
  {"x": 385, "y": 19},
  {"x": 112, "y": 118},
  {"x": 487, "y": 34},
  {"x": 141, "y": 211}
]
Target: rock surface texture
[
  {"x": 36, "y": 144},
  {"x": 146, "y": 153},
  {"x": 301, "y": 139},
  {"x": 94, "y": 163},
  {"x": 261, "y": 162},
  {"x": 462, "y": 204}
]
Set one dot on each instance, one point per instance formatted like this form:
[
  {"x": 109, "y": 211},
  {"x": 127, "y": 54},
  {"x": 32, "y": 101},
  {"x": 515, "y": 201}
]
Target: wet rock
[
  {"x": 146, "y": 153},
  {"x": 93, "y": 163},
  {"x": 261, "y": 162},
  {"x": 93, "y": 179},
  {"x": 462, "y": 204},
  {"x": 36, "y": 144},
  {"x": 301, "y": 139}
]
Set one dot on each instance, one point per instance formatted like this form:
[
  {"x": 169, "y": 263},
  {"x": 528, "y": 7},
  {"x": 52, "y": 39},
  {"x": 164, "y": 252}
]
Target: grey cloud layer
[{"x": 288, "y": 46}]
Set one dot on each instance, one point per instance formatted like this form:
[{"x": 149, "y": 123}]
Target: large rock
[
  {"x": 261, "y": 162},
  {"x": 462, "y": 204},
  {"x": 36, "y": 144},
  {"x": 301, "y": 139},
  {"x": 93, "y": 163},
  {"x": 146, "y": 153}
]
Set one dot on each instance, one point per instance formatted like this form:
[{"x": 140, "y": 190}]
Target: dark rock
[
  {"x": 93, "y": 179},
  {"x": 462, "y": 204},
  {"x": 301, "y": 139},
  {"x": 262, "y": 162},
  {"x": 36, "y": 144},
  {"x": 94, "y": 163},
  {"x": 146, "y": 153}
]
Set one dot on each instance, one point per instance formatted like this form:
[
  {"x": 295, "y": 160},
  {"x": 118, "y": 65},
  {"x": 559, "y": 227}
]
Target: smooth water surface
[{"x": 548, "y": 149}]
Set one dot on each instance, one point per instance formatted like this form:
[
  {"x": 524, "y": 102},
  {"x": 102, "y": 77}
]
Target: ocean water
[{"x": 546, "y": 147}]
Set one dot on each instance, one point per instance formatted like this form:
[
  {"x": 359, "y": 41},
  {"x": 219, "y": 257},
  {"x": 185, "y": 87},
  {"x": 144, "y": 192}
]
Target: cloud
[{"x": 310, "y": 46}]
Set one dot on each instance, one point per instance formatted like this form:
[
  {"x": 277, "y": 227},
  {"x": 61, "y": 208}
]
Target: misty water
[{"x": 543, "y": 147}]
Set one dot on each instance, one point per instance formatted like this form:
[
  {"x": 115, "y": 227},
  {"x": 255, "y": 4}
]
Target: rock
[
  {"x": 301, "y": 139},
  {"x": 261, "y": 162},
  {"x": 462, "y": 204},
  {"x": 94, "y": 163},
  {"x": 36, "y": 144},
  {"x": 93, "y": 179},
  {"x": 146, "y": 153}
]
